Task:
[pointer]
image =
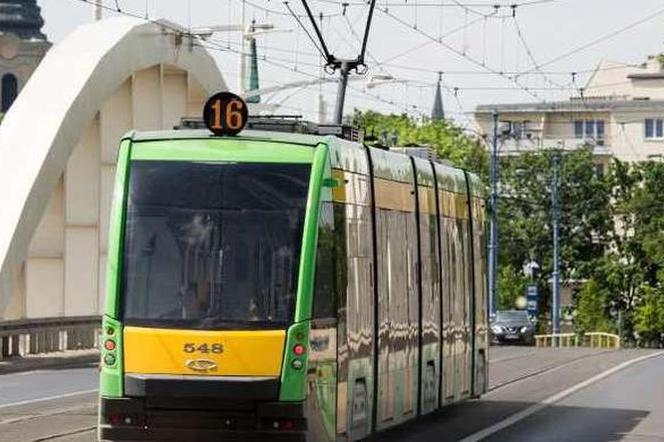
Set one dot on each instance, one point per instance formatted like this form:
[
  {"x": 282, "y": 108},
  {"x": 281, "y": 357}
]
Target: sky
[{"x": 478, "y": 48}]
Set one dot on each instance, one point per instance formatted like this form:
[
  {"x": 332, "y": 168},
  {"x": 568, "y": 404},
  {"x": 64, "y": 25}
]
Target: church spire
[
  {"x": 21, "y": 18},
  {"x": 438, "y": 112},
  {"x": 253, "y": 67}
]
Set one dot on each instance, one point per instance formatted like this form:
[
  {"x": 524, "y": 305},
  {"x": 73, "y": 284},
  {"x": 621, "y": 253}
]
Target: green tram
[{"x": 287, "y": 287}]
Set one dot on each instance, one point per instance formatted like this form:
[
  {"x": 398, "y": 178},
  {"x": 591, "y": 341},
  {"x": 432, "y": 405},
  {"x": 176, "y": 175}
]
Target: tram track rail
[
  {"x": 542, "y": 370},
  {"x": 511, "y": 358},
  {"x": 56, "y": 412},
  {"x": 65, "y": 434}
]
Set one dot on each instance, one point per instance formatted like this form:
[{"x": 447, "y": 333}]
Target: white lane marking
[
  {"x": 511, "y": 420},
  {"x": 48, "y": 398}
]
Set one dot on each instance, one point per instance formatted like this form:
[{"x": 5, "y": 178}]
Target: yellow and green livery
[{"x": 288, "y": 287}]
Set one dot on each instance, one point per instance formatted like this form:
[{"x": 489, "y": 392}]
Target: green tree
[
  {"x": 649, "y": 317},
  {"x": 591, "y": 308},
  {"x": 634, "y": 264},
  {"x": 524, "y": 215},
  {"x": 448, "y": 140},
  {"x": 512, "y": 284}
]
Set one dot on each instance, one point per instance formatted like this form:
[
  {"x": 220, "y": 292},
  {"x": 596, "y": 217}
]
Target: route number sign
[{"x": 225, "y": 114}]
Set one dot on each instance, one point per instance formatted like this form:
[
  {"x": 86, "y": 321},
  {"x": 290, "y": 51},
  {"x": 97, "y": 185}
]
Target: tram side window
[{"x": 324, "y": 286}]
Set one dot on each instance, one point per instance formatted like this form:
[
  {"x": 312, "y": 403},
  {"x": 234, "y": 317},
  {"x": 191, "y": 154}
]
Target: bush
[
  {"x": 591, "y": 309},
  {"x": 649, "y": 317}
]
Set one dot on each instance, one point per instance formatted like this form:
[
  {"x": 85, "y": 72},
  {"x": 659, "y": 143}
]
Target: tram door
[
  {"x": 398, "y": 314},
  {"x": 448, "y": 270},
  {"x": 466, "y": 295}
]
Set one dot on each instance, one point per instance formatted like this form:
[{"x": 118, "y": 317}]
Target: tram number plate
[{"x": 203, "y": 348}]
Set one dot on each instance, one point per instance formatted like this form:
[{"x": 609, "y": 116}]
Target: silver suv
[{"x": 513, "y": 326}]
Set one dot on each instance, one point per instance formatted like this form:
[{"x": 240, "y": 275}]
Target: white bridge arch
[{"x": 58, "y": 147}]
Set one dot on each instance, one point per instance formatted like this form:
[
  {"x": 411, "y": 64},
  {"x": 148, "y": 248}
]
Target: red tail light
[{"x": 299, "y": 349}]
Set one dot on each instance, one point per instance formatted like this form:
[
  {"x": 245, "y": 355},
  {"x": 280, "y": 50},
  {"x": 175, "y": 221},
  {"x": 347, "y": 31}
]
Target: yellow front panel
[{"x": 208, "y": 353}]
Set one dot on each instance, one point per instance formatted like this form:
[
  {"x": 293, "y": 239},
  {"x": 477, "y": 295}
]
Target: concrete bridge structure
[{"x": 58, "y": 147}]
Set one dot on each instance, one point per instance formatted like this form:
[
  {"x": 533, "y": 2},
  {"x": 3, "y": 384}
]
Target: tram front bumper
[{"x": 137, "y": 419}]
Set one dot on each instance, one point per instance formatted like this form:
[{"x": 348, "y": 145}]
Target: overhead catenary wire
[
  {"x": 600, "y": 39},
  {"x": 281, "y": 13},
  {"x": 272, "y": 61},
  {"x": 529, "y": 52},
  {"x": 213, "y": 47},
  {"x": 319, "y": 46},
  {"x": 326, "y": 53},
  {"x": 409, "y": 4},
  {"x": 461, "y": 54}
]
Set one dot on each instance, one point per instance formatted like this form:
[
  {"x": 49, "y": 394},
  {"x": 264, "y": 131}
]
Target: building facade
[
  {"x": 620, "y": 113},
  {"x": 22, "y": 46}
]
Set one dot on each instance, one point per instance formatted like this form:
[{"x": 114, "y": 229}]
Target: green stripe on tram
[
  {"x": 293, "y": 380},
  {"x": 111, "y": 383},
  {"x": 222, "y": 149}
]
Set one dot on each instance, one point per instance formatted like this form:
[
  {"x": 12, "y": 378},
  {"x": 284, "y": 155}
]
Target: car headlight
[
  {"x": 497, "y": 329},
  {"x": 525, "y": 329}
]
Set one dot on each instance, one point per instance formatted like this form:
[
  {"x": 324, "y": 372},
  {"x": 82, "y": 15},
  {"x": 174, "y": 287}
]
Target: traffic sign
[{"x": 532, "y": 296}]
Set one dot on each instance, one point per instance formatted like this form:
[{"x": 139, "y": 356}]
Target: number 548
[{"x": 203, "y": 348}]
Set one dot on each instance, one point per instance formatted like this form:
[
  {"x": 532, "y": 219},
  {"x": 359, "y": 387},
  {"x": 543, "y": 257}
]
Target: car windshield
[
  {"x": 512, "y": 316},
  {"x": 212, "y": 245}
]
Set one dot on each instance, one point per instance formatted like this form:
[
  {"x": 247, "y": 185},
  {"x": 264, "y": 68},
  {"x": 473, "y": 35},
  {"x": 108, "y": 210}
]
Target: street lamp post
[
  {"x": 493, "y": 218},
  {"x": 555, "y": 219}
]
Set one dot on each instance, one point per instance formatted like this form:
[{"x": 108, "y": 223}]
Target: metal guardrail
[
  {"x": 593, "y": 340},
  {"x": 48, "y": 335}
]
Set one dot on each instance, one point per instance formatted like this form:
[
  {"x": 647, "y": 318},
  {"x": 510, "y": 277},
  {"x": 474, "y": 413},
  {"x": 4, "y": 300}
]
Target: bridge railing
[
  {"x": 48, "y": 335},
  {"x": 592, "y": 339}
]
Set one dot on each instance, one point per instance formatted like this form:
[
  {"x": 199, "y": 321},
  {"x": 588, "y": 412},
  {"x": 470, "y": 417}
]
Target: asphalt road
[
  {"x": 20, "y": 387},
  {"x": 536, "y": 395},
  {"x": 627, "y": 405}
]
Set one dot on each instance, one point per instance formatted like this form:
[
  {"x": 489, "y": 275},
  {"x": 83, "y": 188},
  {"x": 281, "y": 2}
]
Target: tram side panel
[
  {"x": 464, "y": 295},
  {"x": 480, "y": 261},
  {"x": 355, "y": 325},
  {"x": 398, "y": 309},
  {"x": 430, "y": 368},
  {"x": 455, "y": 319}
]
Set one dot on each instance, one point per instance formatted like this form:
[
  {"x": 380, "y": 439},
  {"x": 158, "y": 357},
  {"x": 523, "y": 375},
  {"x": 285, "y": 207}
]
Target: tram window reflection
[{"x": 213, "y": 244}]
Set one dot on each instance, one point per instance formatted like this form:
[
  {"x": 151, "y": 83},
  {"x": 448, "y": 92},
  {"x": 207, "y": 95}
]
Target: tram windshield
[{"x": 212, "y": 245}]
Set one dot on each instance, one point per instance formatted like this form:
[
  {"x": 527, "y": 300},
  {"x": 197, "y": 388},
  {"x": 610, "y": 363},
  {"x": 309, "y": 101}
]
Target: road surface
[{"x": 536, "y": 395}]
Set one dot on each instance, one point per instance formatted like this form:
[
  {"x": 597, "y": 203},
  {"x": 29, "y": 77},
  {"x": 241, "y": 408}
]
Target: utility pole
[
  {"x": 97, "y": 10},
  {"x": 243, "y": 55},
  {"x": 493, "y": 218},
  {"x": 555, "y": 219}
]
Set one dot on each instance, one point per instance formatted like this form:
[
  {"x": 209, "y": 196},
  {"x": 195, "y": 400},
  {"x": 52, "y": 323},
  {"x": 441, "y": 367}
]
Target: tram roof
[
  {"x": 454, "y": 173},
  {"x": 258, "y": 135}
]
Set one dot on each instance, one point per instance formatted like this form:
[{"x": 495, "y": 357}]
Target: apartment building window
[
  {"x": 589, "y": 129},
  {"x": 654, "y": 128}
]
